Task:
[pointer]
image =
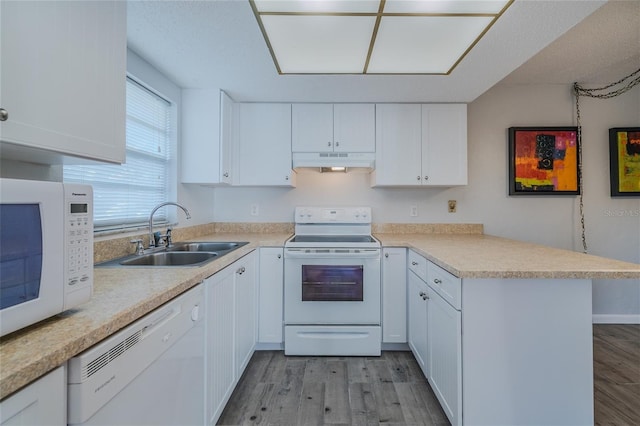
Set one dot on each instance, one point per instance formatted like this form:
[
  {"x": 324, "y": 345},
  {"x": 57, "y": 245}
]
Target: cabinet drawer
[
  {"x": 417, "y": 264},
  {"x": 446, "y": 285}
]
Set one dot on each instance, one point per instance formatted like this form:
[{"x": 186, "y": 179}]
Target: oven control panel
[{"x": 333, "y": 215}]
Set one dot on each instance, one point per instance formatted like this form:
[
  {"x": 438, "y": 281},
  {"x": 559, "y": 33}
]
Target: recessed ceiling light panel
[
  {"x": 423, "y": 44},
  {"x": 320, "y": 44},
  {"x": 445, "y": 6},
  {"x": 371, "y": 36},
  {"x": 317, "y": 6}
]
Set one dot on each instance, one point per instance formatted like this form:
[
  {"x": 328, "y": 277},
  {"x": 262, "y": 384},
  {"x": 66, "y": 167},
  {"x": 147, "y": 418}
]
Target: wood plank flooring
[
  {"x": 391, "y": 390},
  {"x": 280, "y": 390},
  {"x": 616, "y": 367}
]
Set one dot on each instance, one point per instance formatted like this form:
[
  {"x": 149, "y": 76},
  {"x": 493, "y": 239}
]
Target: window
[{"x": 124, "y": 195}]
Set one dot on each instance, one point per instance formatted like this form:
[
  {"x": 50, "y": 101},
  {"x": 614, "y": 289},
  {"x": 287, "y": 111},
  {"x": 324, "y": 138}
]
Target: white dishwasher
[{"x": 149, "y": 373}]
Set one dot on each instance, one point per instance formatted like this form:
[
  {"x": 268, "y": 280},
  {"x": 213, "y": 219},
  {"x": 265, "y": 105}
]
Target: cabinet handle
[
  {"x": 337, "y": 143},
  {"x": 426, "y": 178},
  {"x": 4, "y": 115},
  {"x": 240, "y": 271},
  {"x": 418, "y": 177},
  {"x": 226, "y": 174},
  {"x": 279, "y": 256},
  {"x": 414, "y": 263},
  {"x": 328, "y": 143},
  {"x": 437, "y": 281},
  {"x": 386, "y": 255},
  {"x": 424, "y": 295},
  {"x": 286, "y": 178}
]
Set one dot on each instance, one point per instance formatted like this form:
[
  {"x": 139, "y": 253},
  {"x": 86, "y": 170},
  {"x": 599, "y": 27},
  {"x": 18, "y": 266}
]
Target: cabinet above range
[
  {"x": 264, "y": 144},
  {"x": 333, "y": 128}
]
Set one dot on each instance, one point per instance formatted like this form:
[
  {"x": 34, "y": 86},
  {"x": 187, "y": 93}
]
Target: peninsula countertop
[
  {"x": 122, "y": 295},
  {"x": 486, "y": 256}
]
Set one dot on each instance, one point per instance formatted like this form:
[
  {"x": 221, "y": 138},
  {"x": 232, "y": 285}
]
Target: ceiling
[{"x": 218, "y": 44}]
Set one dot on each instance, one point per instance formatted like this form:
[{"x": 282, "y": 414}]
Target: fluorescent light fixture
[{"x": 373, "y": 36}]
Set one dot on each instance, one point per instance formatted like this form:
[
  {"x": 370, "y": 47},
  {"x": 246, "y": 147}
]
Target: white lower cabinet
[
  {"x": 43, "y": 402},
  {"x": 246, "y": 311},
  {"x": 230, "y": 331},
  {"x": 418, "y": 307},
  {"x": 445, "y": 355},
  {"x": 394, "y": 295},
  {"x": 435, "y": 330},
  {"x": 271, "y": 294}
]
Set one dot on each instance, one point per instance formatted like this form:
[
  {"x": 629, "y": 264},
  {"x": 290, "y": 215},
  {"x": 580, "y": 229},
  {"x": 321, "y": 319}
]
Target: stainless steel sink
[
  {"x": 169, "y": 258},
  {"x": 180, "y": 254},
  {"x": 211, "y": 246}
]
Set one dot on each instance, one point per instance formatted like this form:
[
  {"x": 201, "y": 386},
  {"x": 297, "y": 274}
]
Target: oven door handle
[{"x": 332, "y": 253}]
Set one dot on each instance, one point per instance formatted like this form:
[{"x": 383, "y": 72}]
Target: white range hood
[{"x": 359, "y": 160}]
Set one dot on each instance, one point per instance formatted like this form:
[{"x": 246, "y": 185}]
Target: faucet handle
[
  {"x": 139, "y": 246},
  {"x": 168, "y": 242}
]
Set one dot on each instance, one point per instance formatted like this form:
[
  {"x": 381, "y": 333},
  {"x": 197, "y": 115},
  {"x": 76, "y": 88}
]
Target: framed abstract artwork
[
  {"x": 543, "y": 161},
  {"x": 624, "y": 160}
]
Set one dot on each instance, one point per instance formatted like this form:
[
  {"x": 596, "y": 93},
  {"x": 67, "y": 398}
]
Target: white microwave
[{"x": 46, "y": 250}]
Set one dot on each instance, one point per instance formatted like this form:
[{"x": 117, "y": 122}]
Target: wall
[{"x": 613, "y": 224}]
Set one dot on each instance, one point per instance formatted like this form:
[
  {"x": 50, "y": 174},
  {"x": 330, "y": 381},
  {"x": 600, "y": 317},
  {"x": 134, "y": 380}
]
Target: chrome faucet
[{"x": 151, "y": 238}]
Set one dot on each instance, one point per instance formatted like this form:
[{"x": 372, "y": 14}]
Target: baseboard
[
  {"x": 616, "y": 319},
  {"x": 269, "y": 346},
  {"x": 395, "y": 347}
]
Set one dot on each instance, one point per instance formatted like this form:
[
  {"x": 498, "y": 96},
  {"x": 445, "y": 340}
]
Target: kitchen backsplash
[
  {"x": 108, "y": 249},
  {"x": 427, "y": 228}
]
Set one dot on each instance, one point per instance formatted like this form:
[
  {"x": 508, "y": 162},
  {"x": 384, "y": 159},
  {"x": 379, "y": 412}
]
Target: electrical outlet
[
  {"x": 413, "y": 211},
  {"x": 452, "y": 206},
  {"x": 255, "y": 211}
]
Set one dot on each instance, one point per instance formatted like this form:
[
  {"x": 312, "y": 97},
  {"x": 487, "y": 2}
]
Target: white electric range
[{"x": 332, "y": 283}]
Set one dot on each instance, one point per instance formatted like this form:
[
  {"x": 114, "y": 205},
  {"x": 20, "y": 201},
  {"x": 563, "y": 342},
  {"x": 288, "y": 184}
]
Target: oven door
[{"x": 332, "y": 286}]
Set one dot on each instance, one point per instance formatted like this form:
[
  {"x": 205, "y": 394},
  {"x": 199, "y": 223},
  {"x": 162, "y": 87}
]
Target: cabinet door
[
  {"x": 246, "y": 300},
  {"x": 221, "y": 375},
  {"x": 444, "y": 144},
  {"x": 354, "y": 127},
  {"x": 200, "y": 136},
  {"x": 312, "y": 127},
  {"x": 43, "y": 402},
  {"x": 271, "y": 293},
  {"x": 394, "y": 295},
  {"x": 418, "y": 331},
  {"x": 63, "y": 75},
  {"x": 264, "y": 145},
  {"x": 228, "y": 120},
  {"x": 398, "y": 145},
  {"x": 445, "y": 356}
]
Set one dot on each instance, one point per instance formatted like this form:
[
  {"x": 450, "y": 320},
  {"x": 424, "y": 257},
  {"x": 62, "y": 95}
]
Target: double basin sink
[{"x": 179, "y": 254}]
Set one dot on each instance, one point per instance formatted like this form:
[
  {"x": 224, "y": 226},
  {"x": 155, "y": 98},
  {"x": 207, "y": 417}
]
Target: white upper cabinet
[
  {"x": 205, "y": 113},
  {"x": 444, "y": 144},
  {"x": 398, "y": 145},
  {"x": 228, "y": 121},
  {"x": 421, "y": 145},
  {"x": 263, "y": 151},
  {"x": 63, "y": 74},
  {"x": 333, "y": 127}
]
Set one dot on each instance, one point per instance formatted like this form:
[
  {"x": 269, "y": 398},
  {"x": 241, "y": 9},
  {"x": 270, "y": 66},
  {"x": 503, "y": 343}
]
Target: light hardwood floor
[{"x": 391, "y": 390}]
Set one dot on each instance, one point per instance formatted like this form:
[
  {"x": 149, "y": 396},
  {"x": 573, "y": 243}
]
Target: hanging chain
[{"x": 595, "y": 93}]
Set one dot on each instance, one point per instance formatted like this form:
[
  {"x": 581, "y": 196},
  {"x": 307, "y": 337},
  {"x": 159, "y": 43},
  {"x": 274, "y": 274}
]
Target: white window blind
[{"x": 124, "y": 195}]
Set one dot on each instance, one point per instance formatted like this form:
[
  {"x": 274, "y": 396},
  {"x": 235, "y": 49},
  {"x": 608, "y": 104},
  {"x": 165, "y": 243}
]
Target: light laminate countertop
[
  {"x": 486, "y": 256},
  {"x": 122, "y": 295}
]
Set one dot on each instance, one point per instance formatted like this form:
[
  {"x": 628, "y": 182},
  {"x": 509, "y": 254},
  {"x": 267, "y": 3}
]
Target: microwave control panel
[{"x": 78, "y": 217}]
